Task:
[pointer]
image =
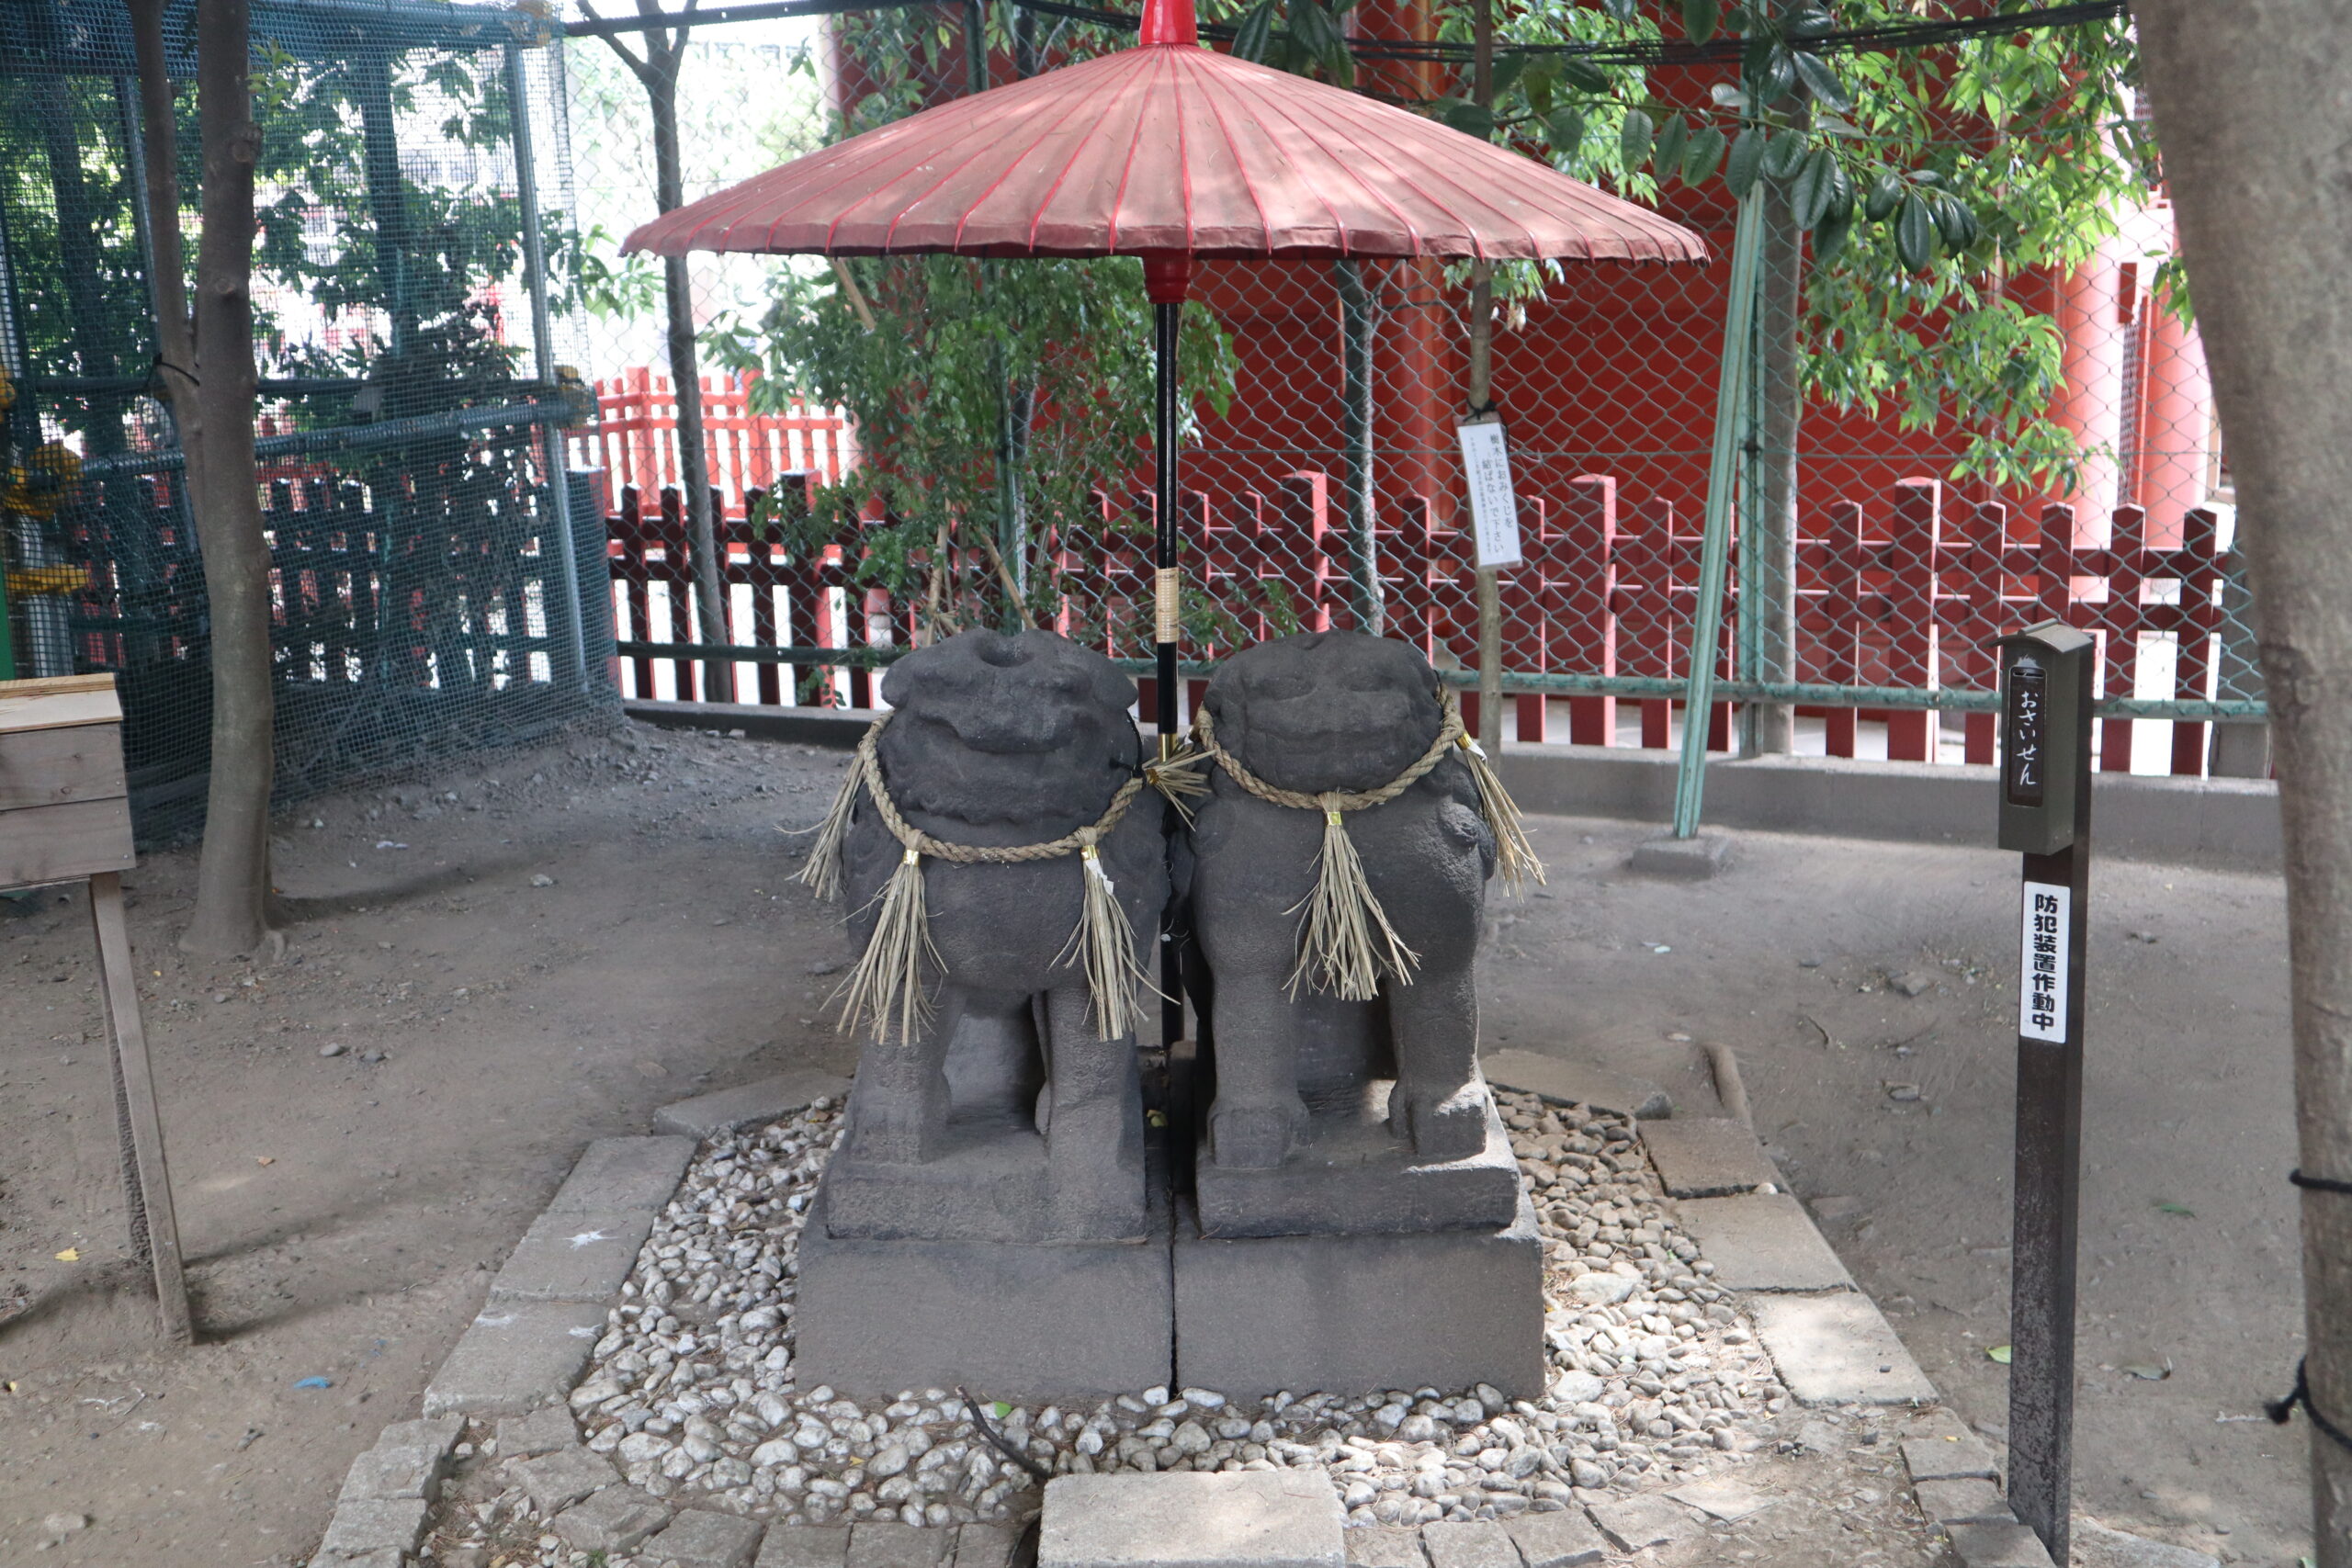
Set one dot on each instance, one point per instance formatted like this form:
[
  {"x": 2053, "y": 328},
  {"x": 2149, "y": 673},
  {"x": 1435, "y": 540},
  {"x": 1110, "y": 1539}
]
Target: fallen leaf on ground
[
  {"x": 265, "y": 1160},
  {"x": 1999, "y": 1353},
  {"x": 2170, "y": 1208},
  {"x": 71, "y": 1255}
]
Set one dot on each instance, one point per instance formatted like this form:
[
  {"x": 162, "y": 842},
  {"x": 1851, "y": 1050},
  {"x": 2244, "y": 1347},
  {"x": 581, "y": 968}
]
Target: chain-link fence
[
  {"x": 1882, "y": 534},
  {"x": 415, "y": 267}
]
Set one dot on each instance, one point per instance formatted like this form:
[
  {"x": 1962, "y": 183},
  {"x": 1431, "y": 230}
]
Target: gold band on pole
[{"x": 1167, "y": 585}]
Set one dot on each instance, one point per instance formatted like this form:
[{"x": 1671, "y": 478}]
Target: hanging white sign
[
  {"x": 2042, "y": 979},
  {"x": 1494, "y": 508}
]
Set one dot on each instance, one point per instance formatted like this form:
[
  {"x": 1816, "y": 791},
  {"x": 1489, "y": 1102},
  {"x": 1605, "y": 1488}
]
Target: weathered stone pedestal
[
  {"x": 1357, "y": 1313},
  {"x": 1350, "y": 1175},
  {"x": 1065, "y": 1321}
]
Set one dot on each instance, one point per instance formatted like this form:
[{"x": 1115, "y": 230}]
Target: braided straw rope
[
  {"x": 1340, "y": 915},
  {"x": 888, "y": 982}
]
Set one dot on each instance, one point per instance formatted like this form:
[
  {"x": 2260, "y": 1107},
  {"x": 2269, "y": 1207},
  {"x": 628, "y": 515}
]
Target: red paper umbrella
[{"x": 1169, "y": 152}]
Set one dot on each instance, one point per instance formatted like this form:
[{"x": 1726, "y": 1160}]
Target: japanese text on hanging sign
[
  {"x": 1494, "y": 508},
  {"x": 2026, "y": 709},
  {"x": 2042, "y": 963}
]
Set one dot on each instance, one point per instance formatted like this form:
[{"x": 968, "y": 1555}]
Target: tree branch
[{"x": 637, "y": 67}]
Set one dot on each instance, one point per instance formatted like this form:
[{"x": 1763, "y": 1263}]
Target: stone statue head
[
  {"x": 1022, "y": 727},
  {"x": 1326, "y": 710}
]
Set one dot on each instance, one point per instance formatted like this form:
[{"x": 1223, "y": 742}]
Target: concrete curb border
[
  {"x": 1827, "y": 1340},
  {"x": 530, "y": 1343}
]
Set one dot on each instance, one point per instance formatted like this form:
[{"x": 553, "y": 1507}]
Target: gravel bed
[{"x": 1656, "y": 1375}]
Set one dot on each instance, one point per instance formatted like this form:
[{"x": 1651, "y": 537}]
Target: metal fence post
[
  {"x": 1722, "y": 476},
  {"x": 534, "y": 266}
]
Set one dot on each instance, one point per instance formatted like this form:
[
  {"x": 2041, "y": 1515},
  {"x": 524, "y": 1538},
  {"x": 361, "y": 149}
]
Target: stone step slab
[
  {"x": 1949, "y": 1457},
  {"x": 724, "y": 1111},
  {"x": 574, "y": 1255},
  {"x": 623, "y": 1173},
  {"x": 1562, "y": 1540},
  {"x": 1762, "y": 1241},
  {"x": 702, "y": 1538},
  {"x": 1281, "y": 1518},
  {"x": 1837, "y": 1349},
  {"x": 1578, "y": 1083},
  {"x": 1635, "y": 1523},
  {"x": 1465, "y": 1544},
  {"x": 1707, "y": 1156},
  {"x": 515, "y": 1357}
]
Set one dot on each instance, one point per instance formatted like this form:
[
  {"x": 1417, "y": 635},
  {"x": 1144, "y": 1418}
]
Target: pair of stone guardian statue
[{"x": 1007, "y": 851}]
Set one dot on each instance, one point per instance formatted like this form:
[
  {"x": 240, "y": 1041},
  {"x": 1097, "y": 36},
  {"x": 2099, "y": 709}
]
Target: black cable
[
  {"x": 2319, "y": 1183},
  {"x": 998, "y": 1441},
  {"x": 2280, "y": 1409},
  {"x": 1655, "y": 52}
]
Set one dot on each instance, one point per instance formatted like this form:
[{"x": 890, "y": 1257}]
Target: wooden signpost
[{"x": 65, "y": 816}]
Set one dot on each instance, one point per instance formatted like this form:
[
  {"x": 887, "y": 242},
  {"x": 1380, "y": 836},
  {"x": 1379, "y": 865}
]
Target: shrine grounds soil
[{"x": 595, "y": 927}]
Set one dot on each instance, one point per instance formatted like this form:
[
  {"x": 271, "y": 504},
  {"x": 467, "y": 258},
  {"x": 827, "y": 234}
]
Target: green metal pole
[{"x": 1722, "y": 476}]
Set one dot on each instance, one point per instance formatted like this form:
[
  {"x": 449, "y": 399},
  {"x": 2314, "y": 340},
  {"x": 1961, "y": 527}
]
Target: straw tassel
[
  {"x": 1336, "y": 936},
  {"x": 823, "y": 874},
  {"x": 886, "y": 985},
  {"x": 1178, "y": 776},
  {"x": 1106, "y": 945},
  {"x": 1515, "y": 859}
]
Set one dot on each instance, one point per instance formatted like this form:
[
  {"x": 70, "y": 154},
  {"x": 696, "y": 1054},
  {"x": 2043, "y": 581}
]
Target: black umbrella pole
[{"x": 1165, "y": 317}]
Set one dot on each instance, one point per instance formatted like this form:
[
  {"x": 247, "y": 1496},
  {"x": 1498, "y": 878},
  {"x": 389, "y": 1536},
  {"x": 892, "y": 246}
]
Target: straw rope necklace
[
  {"x": 1341, "y": 916},
  {"x": 886, "y": 985}
]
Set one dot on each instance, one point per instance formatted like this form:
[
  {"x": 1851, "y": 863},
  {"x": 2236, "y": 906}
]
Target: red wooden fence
[{"x": 1906, "y": 591}]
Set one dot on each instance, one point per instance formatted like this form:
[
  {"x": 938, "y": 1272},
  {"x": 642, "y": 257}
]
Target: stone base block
[
  {"x": 992, "y": 1182},
  {"x": 1350, "y": 1175},
  {"x": 1701, "y": 856},
  {"x": 1358, "y": 1314},
  {"x": 1707, "y": 1156},
  {"x": 1031, "y": 1324}
]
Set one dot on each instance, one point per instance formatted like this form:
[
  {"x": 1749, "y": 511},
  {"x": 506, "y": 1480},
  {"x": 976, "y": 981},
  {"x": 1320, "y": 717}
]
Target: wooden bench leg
[{"x": 147, "y": 1180}]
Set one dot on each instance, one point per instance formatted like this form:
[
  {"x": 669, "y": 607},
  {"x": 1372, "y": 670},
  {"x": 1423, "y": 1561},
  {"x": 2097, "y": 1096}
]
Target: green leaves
[
  {"x": 1564, "y": 130},
  {"x": 1821, "y": 187},
  {"x": 1255, "y": 32},
  {"x": 1699, "y": 18},
  {"x": 1746, "y": 163},
  {"x": 1667, "y": 148},
  {"x": 1634, "y": 138},
  {"x": 1583, "y": 75},
  {"x": 1819, "y": 80},
  {"x": 1914, "y": 233},
  {"x": 1767, "y": 69},
  {"x": 1784, "y": 155},
  {"x": 1700, "y": 158},
  {"x": 1886, "y": 193},
  {"x": 1471, "y": 120}
]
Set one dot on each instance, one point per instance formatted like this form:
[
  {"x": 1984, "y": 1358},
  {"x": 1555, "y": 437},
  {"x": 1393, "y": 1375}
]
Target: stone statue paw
[
  {"x": 1442, "y": 1123},
  {"x": 1255, "y": 1135}
]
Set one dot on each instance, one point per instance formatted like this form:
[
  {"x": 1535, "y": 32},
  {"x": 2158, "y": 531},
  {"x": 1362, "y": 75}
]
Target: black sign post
[{"x": 2046, "y": 816}]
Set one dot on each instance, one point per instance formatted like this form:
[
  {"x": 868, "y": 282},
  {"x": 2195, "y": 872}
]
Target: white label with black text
[
  {"x": 2041, "y": 965},
  {"x": 1493, "y": 507}
]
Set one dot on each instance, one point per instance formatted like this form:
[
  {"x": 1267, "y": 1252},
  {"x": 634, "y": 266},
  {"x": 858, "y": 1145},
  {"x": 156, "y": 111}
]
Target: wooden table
[{"x": 65, "y": 816}]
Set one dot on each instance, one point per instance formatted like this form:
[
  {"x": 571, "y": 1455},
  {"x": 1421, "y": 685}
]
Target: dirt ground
[{"x": 529, "y": 951}]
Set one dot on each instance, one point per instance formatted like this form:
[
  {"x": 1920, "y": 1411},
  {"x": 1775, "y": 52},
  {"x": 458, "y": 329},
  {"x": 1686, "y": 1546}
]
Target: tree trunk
[
  {"x": 1771, "y": 727},
  {"x": 1356, "y": 328},
  {"x": 685, "y": 378},
  {"x": 2265, "y": 213},
  {"x": 1481, "y": 399},
  {"x": 233, "y": 872}
]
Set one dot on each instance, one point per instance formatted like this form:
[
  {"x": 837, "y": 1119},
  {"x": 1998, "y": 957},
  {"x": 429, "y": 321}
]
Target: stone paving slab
[
  {"x": 1565, "y": 1540},
  {"x": 1707, "y": 1156},
  {"x": 724, "y": 1110},
  {"x": 360, "y": 1528},
  {"x": 615, "y": 1519},
  {"x": 543, "y": 1431},
  {"x": 623, "y": 1173},
  {"x": 574, "y": 1255},
  {"x": 1384, "y": 1546},
  {"x": 1463, "y": 1544},
  {"x": 1722, "y": 1497},
  {"x": 985, "y": 1546},
  {"x": 1281, "y": 1518},
  {"x": 1998, "y": 1546},
  {"x": 1699, "y": 856},
  {"x": 1948, "y": 1459},
  {"x": 554, "y": 1482},
  {"x": 515, "y": 1357},
  {"x": 1576, "y": 1083},
  {"x": 1836, "y": 1350},
  {"x": 391, "y": 1474},
  {"x": 1762, "y": 1241},
  {"x": 804, "y": 1545},
  {"x": 1966, "y": 1501},
  {"x": 884, "y": 1545},
  {"x": 1633, "y": 1523},
  {"x": 2096, "y": 1546},
  {"x": 702, "y": 1538}
]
